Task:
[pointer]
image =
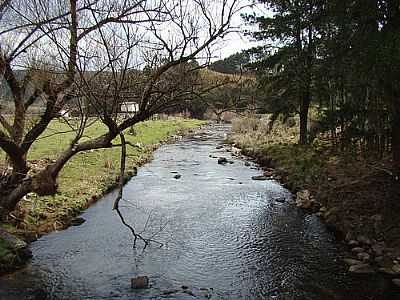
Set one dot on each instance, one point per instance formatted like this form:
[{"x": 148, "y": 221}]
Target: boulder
[
  {"x": 353, "y": 243},
  {"x": 236, "y": 150},
  {"x": 219, "y": 147},
  {"x": 247, "y": 164},
  {"x": 363, "y": 256},
  {"x": 396, "y": 282},
  {"x": 364, "y": 240},
  {"x": 177, "y": 176},
  {"x": 358, "y": 250},
  {"x": 15, "y": 252},
  {"x": 77, "y": 221},
  {"x": 14, "y": 243},
  {"x": 140, "y": 282},
  {"x": 361, "y": 269},
  {"x": 268, "y": 173},
  {"x": 303, "y": 199}
]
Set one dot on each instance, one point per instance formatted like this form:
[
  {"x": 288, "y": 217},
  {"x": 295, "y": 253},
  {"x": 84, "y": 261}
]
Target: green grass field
[{"x": 89, "y": 174}]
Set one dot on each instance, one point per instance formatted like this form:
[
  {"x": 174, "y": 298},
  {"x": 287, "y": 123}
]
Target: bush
[{"x": 245, "y": 125}]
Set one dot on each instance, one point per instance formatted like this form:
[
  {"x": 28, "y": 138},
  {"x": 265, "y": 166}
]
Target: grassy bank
[
  {"x": 357, "y": 195},
  {"x": 88, "y": 176}
]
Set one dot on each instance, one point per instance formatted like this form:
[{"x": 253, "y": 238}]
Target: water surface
[{"x": 225, "y": 236}]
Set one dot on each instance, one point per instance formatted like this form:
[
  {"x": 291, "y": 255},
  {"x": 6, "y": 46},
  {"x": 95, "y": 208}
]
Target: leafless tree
[{"x": 97, "y": 54}]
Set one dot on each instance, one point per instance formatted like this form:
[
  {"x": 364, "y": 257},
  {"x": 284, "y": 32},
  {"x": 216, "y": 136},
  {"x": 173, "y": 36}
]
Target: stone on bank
[{"x": 13, "y": 252}]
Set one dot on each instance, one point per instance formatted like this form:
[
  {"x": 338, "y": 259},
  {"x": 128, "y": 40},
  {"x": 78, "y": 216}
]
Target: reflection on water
[{"x": 221, "y": 231}]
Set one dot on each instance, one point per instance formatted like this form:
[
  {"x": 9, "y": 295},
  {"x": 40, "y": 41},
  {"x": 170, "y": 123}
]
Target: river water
[{"x": 225, "y": 236}]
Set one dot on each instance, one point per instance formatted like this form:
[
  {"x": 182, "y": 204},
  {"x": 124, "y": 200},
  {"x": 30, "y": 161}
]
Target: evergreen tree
[{"x": 287, "y": 60}]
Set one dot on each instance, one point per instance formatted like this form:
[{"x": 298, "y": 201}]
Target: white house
[
  {"x": 64, "y": 113},
  {"x": 129, "y": 107}
]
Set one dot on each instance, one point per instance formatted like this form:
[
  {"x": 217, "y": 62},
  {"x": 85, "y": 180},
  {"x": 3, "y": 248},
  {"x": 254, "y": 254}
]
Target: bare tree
[
  {"x": 92, "y": 53},
  {"x": 229, "y": 93}
]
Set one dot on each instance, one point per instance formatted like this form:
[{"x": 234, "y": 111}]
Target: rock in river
[
  {"x": 177, "y": 176},
  {"x": 77, "y": 221},
  {"x": 261, "y": 177},
  {"x": 222, "y": 160},
  {"x": 361, "y": 269},
  {"x": 140, "y": 282},
  {"x": 170, "y": 292}
]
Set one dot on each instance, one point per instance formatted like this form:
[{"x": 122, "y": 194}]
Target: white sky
[{"x": 236, "y": 42}]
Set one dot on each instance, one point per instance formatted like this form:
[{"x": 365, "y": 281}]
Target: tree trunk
[
  {"x": 304, "y": 106},
  {"x": 10, "y": 197},
  {"x": 219, "y": 117},
  {"x": 396, "y": 136}
]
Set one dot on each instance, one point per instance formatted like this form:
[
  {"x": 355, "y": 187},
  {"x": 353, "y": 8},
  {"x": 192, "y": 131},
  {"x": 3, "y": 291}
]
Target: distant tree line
[{"x": 234, "y": 64}]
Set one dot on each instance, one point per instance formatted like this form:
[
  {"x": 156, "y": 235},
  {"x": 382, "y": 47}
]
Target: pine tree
[{"x": 287, "y": 60}]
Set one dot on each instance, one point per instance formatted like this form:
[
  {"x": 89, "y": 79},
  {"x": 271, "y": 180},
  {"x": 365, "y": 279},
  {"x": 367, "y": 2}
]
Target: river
[{"x": 225, "y": 236}]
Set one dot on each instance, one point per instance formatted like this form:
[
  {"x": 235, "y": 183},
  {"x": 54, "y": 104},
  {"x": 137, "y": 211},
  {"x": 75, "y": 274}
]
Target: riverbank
[
  {"x": 225, "y": 236},
  {"x": 86, "y": 178},
  {"x": 357, "y": 198}
]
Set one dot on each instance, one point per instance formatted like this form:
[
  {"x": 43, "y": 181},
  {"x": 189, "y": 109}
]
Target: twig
[{"x": 136, "y": 235}]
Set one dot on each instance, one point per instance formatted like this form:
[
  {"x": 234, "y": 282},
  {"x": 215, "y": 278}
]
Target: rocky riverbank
[
  {"x": 14, "y": 252},
  {"x": 357, "y": 199}
]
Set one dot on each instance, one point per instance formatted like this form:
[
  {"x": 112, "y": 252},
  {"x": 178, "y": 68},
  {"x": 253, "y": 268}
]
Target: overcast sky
[{"x": 236, "y": 42}]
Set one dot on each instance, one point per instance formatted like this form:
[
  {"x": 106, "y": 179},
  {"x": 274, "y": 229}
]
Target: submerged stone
[{"x": 140, "y": 282}]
